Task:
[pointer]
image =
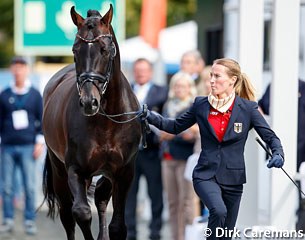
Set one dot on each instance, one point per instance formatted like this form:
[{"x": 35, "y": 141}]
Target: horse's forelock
[
  {"x": 93, "y": 13},
  {"x": 92, "y": 22}
]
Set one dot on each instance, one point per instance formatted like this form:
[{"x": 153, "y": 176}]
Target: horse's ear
[
  {"x": 108, "y": 16},
  {"x": 77, "y": 19}
]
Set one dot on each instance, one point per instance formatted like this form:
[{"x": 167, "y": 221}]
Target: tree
[{"x": 6, "y": 31}]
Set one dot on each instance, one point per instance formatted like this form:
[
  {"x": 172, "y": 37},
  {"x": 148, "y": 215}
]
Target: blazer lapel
[
  {"x": 206, "y": 111},
  {"x": 235, "y": 112}
]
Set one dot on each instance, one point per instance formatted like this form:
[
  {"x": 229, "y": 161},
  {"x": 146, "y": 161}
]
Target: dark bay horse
[{"x": 90, "y": 128}]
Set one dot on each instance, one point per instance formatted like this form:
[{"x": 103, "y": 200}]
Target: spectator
[
  {"x": 148, "y": 162},
  {"x": 203, "y": 89},
  {"x": 204, "y": 86},
  {"x": 21, "y": 143},
  {"x": 180, "y": 192},
  {"x": 193, "y": 64}
]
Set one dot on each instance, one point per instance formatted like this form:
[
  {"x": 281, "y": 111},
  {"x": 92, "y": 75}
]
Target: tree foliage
[{"x": 6, "y": 31}]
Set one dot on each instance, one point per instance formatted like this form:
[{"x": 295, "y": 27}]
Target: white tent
[
  {"x": 134, "y": 48},
  {"x": 176, "y": 40},
  {"x": 173, "y": 42}
]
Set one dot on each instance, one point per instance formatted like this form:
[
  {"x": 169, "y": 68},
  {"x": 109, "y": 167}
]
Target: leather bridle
[{"x": 92, "y": 77}]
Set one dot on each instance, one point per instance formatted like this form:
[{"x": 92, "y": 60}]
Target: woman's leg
[
  {"x": 210, "y": 193},
  {"x": 232, "y": 197},
  {"x": 223, "y": 203}
]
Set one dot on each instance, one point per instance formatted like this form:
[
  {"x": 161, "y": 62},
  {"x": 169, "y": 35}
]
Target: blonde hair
[
  {"x": 243, "y": 86},
  {"x": 182, "y": 76}
]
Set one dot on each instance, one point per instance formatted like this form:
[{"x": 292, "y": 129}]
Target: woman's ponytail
[{"x": 244, "y": 87}]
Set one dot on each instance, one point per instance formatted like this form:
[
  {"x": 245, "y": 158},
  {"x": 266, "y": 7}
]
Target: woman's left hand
[{"x": 276, "y": 161}]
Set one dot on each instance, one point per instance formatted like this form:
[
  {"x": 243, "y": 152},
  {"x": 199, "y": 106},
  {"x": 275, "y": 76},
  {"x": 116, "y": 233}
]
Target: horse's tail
[{"x": 48, "y": 189}]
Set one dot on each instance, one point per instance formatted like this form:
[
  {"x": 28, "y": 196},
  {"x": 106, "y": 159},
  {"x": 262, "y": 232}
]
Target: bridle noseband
[{"x": 92, "y": 77}]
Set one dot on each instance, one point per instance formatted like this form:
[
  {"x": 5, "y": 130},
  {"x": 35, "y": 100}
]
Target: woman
[
  {"x": 224, "y": 118},
  {"x": 176, "y": 150}
]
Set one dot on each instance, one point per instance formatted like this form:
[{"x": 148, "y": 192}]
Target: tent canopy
[{"x": 173, "y": 42}]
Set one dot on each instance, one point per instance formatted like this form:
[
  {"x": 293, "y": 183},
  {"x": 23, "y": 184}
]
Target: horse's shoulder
[{"x": 64, "y": 74}]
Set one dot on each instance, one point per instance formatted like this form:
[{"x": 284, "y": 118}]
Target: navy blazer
[{"x": 222, "y": 160}]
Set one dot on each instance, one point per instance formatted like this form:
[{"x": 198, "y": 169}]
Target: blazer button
[{"x": 218, "y": 155}]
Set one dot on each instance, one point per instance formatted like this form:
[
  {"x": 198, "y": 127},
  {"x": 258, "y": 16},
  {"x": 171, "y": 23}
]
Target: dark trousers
[
  {"x": 148, "y": 163},
  {"x": 223, "y": 204}
]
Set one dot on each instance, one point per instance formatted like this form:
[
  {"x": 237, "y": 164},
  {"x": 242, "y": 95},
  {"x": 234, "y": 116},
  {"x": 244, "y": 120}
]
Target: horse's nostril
[
  {"x": 81, "y": 102},
  {"x": 94, "y": 102}
]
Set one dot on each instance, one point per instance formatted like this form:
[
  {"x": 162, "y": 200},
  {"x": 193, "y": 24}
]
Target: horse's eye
[
  {"x": 104, "y": 52},
  {"x": 75, "y": 50}
]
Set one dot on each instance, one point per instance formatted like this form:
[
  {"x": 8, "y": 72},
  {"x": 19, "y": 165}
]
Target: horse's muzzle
[{"x": 89, "y": 106}]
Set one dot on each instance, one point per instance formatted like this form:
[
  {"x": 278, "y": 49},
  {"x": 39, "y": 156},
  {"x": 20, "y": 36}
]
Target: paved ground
[{"x": 53, "y": 230}]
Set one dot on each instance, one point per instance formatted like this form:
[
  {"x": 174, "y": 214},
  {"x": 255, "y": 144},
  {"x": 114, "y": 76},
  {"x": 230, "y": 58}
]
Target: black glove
[
  {"x": 276, "y": 161},
  {"x": 151, "y": 117},
  {"x": 144, "y": 125},
  {"x": 145, "y": 113}
]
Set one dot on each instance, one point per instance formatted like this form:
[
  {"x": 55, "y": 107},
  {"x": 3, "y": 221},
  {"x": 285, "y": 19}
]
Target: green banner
[{"x": 45, "y": 27}]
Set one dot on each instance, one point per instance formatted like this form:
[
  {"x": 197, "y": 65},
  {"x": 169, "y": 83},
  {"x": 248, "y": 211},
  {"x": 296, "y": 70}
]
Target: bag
[
  {"x": 195, "y": 231},
  {"x": 190, "y": 165}
]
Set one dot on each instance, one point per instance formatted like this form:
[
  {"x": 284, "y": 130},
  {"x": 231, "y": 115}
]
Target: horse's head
[{"x": 94, "y": 51}]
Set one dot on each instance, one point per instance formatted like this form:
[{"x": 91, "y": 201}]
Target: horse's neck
[
  {"x": 116, "y": 84},
  {"x": 119, "y": 95},
  {"x": 113, "y": 92}
]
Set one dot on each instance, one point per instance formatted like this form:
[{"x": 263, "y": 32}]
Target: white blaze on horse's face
[
  {"x": 94, "y": 52},
  {"x": 88, "y": 83}
]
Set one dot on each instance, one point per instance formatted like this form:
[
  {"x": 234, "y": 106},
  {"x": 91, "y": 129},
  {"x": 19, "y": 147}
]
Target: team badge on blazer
[{"x": 238, "y": 127}]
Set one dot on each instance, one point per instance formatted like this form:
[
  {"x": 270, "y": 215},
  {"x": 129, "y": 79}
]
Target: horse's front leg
[
  {"x": 81, "y": 210},
  {"x": 101, "y": 197},
  {"x": 120, "y": 187},
  {"x": 59, "y": 180}
]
